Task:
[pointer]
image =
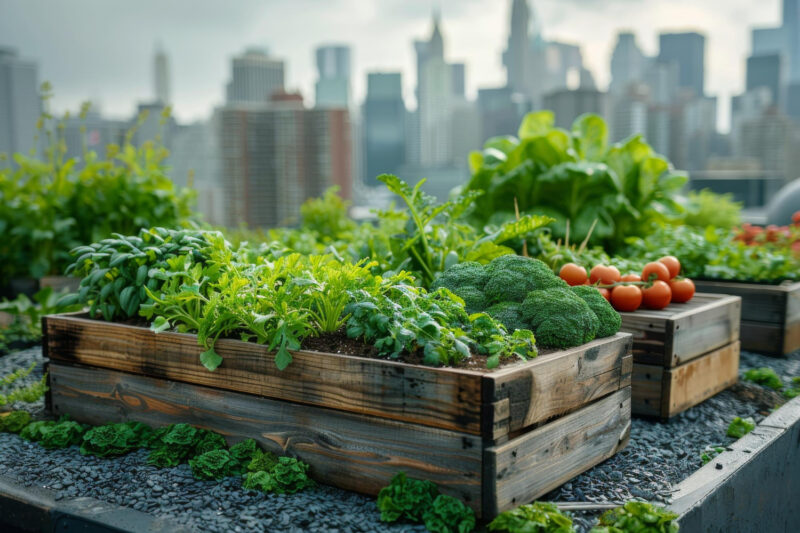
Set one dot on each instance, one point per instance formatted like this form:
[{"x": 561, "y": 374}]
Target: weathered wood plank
[
  {"x": 354, "y": 452},
  {"x": 763, "y": 338},
  {"x": 647, "y": 387},
  {"x": 555, "y": 384},
  {"x": 701, "y": 378},
  {"x": 556, "y": 452},
  {"x": 445, "y": 398},
  {"x": 760, "y": 302}
]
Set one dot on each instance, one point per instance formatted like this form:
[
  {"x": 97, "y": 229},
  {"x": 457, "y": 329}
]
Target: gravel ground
[{"x": 658, "y": 456}]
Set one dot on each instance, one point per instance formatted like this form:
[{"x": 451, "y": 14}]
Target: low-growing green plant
[
  {"x": 26, "y": 393},
  {"x": 794, "y": 390},
  {"x": 739, "y": 427},
  {"x": 537, "y": 517},
  {"x": 764, "y": 376},
  {"x": 448, "y": 515},
  {"x": 215, "y": 464},
  {"x": 244, "y": 451},
  {"x": 710, "y": 452},
  {"x": 26, "y": 324},
  {"x": 262, "y": 460},
  {"x": 15, "y": 421},
  {"x": 112, "y": 440},
  {"x": 286, "y": 476},
  {"x": 707, "y": 208},
  {"x": 637, "y": 517}
]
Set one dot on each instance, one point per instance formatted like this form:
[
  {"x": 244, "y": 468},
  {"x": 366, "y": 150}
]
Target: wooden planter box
[
  {"x": 683, "y": 354},
  {"x": 494, "y": 439},
  {"x": 770, "y": 314}
]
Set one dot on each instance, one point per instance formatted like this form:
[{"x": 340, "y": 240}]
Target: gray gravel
[{"x": 658, "y": 456}]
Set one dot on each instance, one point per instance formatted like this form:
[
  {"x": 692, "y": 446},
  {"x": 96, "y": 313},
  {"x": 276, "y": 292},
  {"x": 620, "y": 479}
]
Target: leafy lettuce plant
[
  {"x": 214, "y": 464},
  {"x": 29, "y": 393},
  {"x": 111, "y": 440},
  {"x": 286, "y": 476},
  {"x": 764, "y": 376},
  {"x": 537, "y": 517},
  {"x": 739, "y": 427},
  {"x": 15, "y": 421},
  {"x": 448, "y": 515},
  {"x": 575, "y": 176},
  {"x": 637, "y": 517}
]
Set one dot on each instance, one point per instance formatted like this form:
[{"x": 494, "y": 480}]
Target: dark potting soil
[{"x": 658, "y": 456}]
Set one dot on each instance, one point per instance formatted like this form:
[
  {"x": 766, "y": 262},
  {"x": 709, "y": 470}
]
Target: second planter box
[{"x": 683, "y": 354}]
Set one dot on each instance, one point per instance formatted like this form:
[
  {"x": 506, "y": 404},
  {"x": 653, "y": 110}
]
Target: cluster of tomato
[
  {"x": 655, "y": 288},
  {"x": 780, "y": 235}
]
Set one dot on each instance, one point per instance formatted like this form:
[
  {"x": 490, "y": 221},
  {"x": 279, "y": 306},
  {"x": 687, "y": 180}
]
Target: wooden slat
[
  {"x": 529, "y": 466},
  {"x": 760, "y": 302},
  {"x": 791, "y": 337},
  {"x": 444, "y": 398},
  {"x": 647, "y": 389},
  {"x": 700, "y": 379},
  {"x": 551, "y": 386},
  {"x": 763, "y": 338},
  {"x": 354, "y": 452}
]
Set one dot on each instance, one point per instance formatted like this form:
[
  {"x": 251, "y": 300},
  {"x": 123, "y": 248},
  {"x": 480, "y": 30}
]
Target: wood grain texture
[
  {"x": 760, "y": 303},
  {"x": 701, "y": 378},
  {"x": 764, "y": 338},
  {"x": 681, "y": 332},
  {"x": 529, "y": 466},
  {"x": 354, "y": 452},
  {"x": 553, "y": 385},
  {"x": 445, "y": 398},
  {"x": 647, "y": 389}
]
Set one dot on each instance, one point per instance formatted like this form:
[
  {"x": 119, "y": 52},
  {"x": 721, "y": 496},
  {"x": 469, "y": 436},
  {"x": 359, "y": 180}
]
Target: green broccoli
[
  {"x": 474, "y": 300},
  {"x": 512, "y": 277},
  {"x": 508, "y": 314},
  {"x": 559, "y": 318},
  {"x": 610, "y": 321},
  {"x": 467, "y": 274}
]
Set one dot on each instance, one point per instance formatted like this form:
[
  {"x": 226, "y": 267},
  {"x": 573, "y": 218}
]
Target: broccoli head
[
  {"x": 467, "y": 274},
  {"x": 508, "y": 314},
  {"x": 559, "y": 318},
  {"x": 610, "y": 321},
  {"x": 474, "y": 299},
  {"x": 512, "y": 277}
]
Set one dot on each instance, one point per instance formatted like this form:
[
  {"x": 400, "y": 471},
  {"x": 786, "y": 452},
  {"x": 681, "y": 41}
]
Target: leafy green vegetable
[
  {"x": 764, "y": 376},
  {"x": 287, "y": 476},
  {"x": 26, "y": 324},
  {"x": 61, "y": 435},
  {"x": 35, "y": 431},
  {"x": 706, "y": 208},
  {"x": 209, "y": 441},
  {"x": 27, "y": 393},
  {"x": 113, "y": 439},
  {"x": 574, "y": 176},
  {"x": 244, "y": 451},
  {"x": 608, "y": 319},
  {"x": 174, "y": 444},
  {"x": 214, "y": 464},
  {"x": 559, "y": 318},
  {"x": 406, "y": 499},
  {"x": 15, "y": 421},
  {"x": 739, "y": 427},
  {"x": 537, "y": 517},
  {"x": 262, "y": 461},
  {"x": 710, "y": 452},
  {"x": 637, "y": 517},
  {"x": 794, "y": 391},
  {"x": 448, "y": 515}
]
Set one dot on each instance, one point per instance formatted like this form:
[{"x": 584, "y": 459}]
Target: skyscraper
[
  {"x": 567, "y": 105},
  {"x": 516, "y": 55},
  {"x": 688, "y": 50},
  {"x": 384, "y": 125},
  {"x": 20, "y": 104},
  {"x": 791, "y": 26},
  {"x": 161, "y": 76},
  {"x": 627, "y": 63},
  {"x": 333, "y": 83},
  {"x": 255, "y": 78},
  {"x": 768, "y": 70}
]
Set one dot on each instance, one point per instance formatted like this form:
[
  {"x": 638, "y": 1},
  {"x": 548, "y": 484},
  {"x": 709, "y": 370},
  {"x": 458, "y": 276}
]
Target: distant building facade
[
  {"x": 333, "y": 77},
  {"x": 384, "y": 119},
  {"x": 20, "y": 103},
  {"x": 255, "y": 77}
]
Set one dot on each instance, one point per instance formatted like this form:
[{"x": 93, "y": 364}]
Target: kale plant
[
  {"x": 537, "y": 517},
  {"x": 637, "y": 517}
]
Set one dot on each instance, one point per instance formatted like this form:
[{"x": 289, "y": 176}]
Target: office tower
[
  {"x": 20, "y": 104},
  {"x": 277, "y": 155},
  {"x": 458, "y": 82},
  {"x": 516, "y": 56},
  {"x": 793, "y": 101},
  {"x": 466, "y": 132},
  {"x": 629, "y": 110},
  {"x": 194, "y": 162},
  {"x": 384, "y": 125},
  {"x": 567, "y": 105},
  {"x": 161, "y": 77},
  {"x": 627, "y": 63},
  {"x": 771, "y": 138},
  {"x": 662, "y": 77},
  {"x": 688, "y": 51},
  {"x": 92, "y": 134},
  {"x": 767, "y": 71},
  {"x": 501, "y": 111},
  {"x": 768, "y": 41},
  {"x": 699, "y": 132},
  {"x": 255, "y": 77},
  {"x": 791, "y": 26},
  {"x": 434, "y": 100},
  {"x": 744, "y": 107},
  {"x": 333, "y": 83},
  {"x": 564, "y": 67}
]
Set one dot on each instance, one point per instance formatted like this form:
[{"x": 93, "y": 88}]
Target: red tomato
[
  {"x": 672, "y": 264},
  {"x": 605, "y": 292},
  {"x": 657, "y": 270},
  {"x": 606, "y": 275},
  {"x": 682, "y": 290},
  {"x": 631, "y": 277},
  {"x": 626, "y": 297},
  {"x": 658, "y": 296},
  {"x": 573, "y": 274}
]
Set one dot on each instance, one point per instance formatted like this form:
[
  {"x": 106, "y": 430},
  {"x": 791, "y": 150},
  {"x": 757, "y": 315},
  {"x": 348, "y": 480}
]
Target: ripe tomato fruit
[
  {"x": 682, "y": 290},
  {"x": 659, "y": 270},
  {"x": 672, "y": 264},
  {"x": 658, "y": 296},
  {"x": 605, "y": 293},
  {"x": 606, "y": 275},
  {"x": 573, "y": 274},
  {"x": 626, "y": 298},
  {"x": 631, "y": 277}
]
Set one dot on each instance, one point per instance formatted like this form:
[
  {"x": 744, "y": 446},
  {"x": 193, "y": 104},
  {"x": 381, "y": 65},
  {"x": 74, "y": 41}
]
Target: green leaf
[
  {"x": 210, "y": 359},
  {"x": 160, "y": 324},
  {"x": 591, "y": 136},
  {"x": 536, "y": 124}
]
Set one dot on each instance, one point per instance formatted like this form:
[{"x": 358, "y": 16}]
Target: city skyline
[{"x": 475, "y": 31}]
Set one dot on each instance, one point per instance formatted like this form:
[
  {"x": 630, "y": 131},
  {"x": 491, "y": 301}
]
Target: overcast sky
[{"x": 102, "y": 49}]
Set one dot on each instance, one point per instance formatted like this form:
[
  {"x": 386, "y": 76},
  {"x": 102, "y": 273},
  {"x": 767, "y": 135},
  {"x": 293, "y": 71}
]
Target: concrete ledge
[
  {"x": 753, "y": 486},
  {"x": 32, "y": 509}
]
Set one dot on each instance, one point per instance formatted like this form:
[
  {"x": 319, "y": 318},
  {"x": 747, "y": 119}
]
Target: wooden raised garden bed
[
  {"x": 770, "y": 314},
  {"x": 683, "y": 354},
  {"x": 495, "y": 439}
]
